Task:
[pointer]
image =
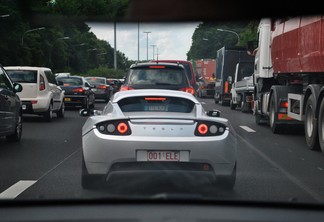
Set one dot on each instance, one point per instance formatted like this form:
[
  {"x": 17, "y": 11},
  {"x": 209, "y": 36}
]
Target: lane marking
[
  {"x": 16, "y": 189},
  {"x": 248, "y": 129}
]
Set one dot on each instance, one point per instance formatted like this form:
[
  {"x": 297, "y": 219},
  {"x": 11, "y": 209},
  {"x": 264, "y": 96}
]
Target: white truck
[{"x": 243, "y": 87}]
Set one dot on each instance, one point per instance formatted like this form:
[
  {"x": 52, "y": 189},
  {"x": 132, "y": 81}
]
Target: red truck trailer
[{"x": 289, "y": 76}]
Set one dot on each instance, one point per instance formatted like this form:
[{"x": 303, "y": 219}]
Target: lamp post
[
  {"x": 30, "y": 30},
  {"x": 230, "y": 31},
  {"x": 153, "y": 50},
  {"x": 147, "y": 44}
]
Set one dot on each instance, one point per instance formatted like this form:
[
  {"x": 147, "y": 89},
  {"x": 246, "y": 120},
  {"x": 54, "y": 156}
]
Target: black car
[
  {"x": 78, "y": 91},
  {"x": 102, "y": 90},
  {"x": 157, "y": 76},
  {"x": 10, "y": 108}
]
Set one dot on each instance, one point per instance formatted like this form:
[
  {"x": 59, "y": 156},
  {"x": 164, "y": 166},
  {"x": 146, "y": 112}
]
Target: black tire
[
  {"x": 258, "y": 118},
  {"x": 310, "y": 125},
  {"x": 232, "y": 106},
  {"x": 90, "y": 182},
  {"x": 86, "y": 103},
  {"x": 18, "y": 130},
  {"x": 245, "y": 107},
  {"x": 61, "y": 112},
  {"x": 275, "y": 127},
  {"x": 227, "y": 182},
  {"x": 321, "y": 126},
  {"x": 48, "y": 115}
]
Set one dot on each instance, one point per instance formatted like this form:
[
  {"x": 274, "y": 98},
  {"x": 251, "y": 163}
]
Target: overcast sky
[{"x": 172, "y": 40}]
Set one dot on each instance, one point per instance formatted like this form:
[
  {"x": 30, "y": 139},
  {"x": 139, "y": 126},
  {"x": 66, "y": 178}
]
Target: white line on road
[
  {"x": 16, "y": 189},
  {"x": 248, "y": 129}
]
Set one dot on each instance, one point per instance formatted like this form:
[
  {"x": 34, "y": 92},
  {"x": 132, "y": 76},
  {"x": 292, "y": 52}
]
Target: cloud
[{"x": 171, "y": 40}]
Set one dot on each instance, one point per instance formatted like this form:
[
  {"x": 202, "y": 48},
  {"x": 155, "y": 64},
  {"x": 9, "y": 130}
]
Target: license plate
[
  {"x": 24, "y": 107},
  {"x": 169, "y": 156},
  {"x": 67, "y": 99},
  {"x": 156, "y": 108}
]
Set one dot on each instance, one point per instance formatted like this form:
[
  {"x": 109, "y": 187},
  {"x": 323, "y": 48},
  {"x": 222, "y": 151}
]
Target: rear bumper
[{"x": 30, "y": 107}]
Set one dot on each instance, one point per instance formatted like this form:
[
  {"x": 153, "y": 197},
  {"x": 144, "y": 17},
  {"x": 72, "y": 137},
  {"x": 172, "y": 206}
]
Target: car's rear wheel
[
  {"x": 60, "y": 113},
  {"x": 48, "y": 115},
  {"x": 18, "y": 130},
  {"x": 88, "y": 181},
  {"x": 227, "y": 182}
]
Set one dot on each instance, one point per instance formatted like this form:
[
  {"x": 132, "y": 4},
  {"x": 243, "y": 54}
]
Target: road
[{"x": 46, "y": 164}]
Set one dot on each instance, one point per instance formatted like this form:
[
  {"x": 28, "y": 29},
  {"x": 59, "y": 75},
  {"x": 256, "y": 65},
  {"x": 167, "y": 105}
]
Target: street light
[
  {"x": 153, "y": 50},
  {"x": 30, "y": 30},
  {"x": 4, "y": 16},
  {"x": 147, "y": 44},
  {"x": 237, "y": 35}
]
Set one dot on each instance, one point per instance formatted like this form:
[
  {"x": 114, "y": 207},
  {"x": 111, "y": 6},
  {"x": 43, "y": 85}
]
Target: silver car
[{"x": 157, "y": 132}]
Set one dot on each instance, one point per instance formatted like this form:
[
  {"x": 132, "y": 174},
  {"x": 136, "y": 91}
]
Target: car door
[
  {"x": 7, "y": 104},
  {"x": 56, "y": 90}
]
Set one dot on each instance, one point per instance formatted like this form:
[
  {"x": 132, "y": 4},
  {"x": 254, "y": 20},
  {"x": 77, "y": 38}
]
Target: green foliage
[
  {"x": 66, "y": 44},
  {"x": 207, "y": 39},
  {"x": 104, "y": 71}
]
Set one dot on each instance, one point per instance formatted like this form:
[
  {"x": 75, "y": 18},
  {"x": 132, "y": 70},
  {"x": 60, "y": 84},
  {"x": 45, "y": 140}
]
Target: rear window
[
  {"x": 156, "y": 104},
  {"x": 94, "y": 80},
  {"x": 71, "y": 81},
  {"x": 157, "y": 76},
  {"x": 23, "y": 76}
]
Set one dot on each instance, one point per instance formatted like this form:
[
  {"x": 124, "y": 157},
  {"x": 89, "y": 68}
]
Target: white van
[{"x": 40, "y": 95}]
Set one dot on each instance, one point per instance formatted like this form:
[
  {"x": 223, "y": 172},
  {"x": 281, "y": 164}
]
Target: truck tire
[
  {"x": 275, "y": 127},
  {"x": 310, "y": 125},
  {"x": 245, "y": 107},
  {"x": 321, "y": 126},
  {"x": 232, "y": 105}
]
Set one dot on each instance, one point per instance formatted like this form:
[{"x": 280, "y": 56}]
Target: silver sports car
[{"x": 145, "y": 132}]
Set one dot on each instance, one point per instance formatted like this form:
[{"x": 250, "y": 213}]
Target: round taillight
[
  {"x": 122, "y": 128},
  {"x": 111, "y": 128},
  {"x": 213, "y": 129},
  {"x": 202, "y": 128}
]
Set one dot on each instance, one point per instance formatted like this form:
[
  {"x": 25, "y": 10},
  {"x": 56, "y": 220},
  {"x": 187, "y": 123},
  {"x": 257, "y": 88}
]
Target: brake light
[
  {"x": 125, "y": 88},
  {"x": 188, "y": 90},
  {"x": 78, "y": 90},
  {"x": 157, "y": 67},
  {"x": 284, "y": 104},
  {"x": 41, "y": 83},
  {"x": 155, "y": 99},
  {"x": 202, "y": 129},
  {"x": 102, "y": 87},
  {"x": 115, "y": 127},
  {"x": 207, "y": 128},
  {"x": 34, "y": 102},
  {"x": 122, "y": 128}
]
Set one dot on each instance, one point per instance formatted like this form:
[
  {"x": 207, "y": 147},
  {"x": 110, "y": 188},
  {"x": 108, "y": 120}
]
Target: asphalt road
[{"x": 46, "y": 164}]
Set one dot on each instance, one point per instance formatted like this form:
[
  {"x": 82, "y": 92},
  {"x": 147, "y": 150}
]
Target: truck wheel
[
  {"x": 321, "y": 126},
  {"x": 310, "y": 125},
  {"x": 232, "y": 105},
  {"x": 245, "y": 107},
  {"x": 275, "y": 127}
]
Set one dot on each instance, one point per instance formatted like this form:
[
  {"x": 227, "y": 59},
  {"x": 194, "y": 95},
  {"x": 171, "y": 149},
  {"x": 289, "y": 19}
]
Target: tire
[
  {"x": 258, "y": 118},
  {"x": 60, "y": 113},
  {"x": 321, "y": 126},
  {"x": 48, "y": 115},
  {"x": 245, "y": 107},
  {"x": 86, "y": 103},
  {"x": 227, "y": 182},
  {"x": 232, "y": 106},
  {"x": 18, "y": 131},
  {"x": 310, "y": 125},
  {"x": 275, "y": 127},
  {"x": 90, "y": 182}
]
